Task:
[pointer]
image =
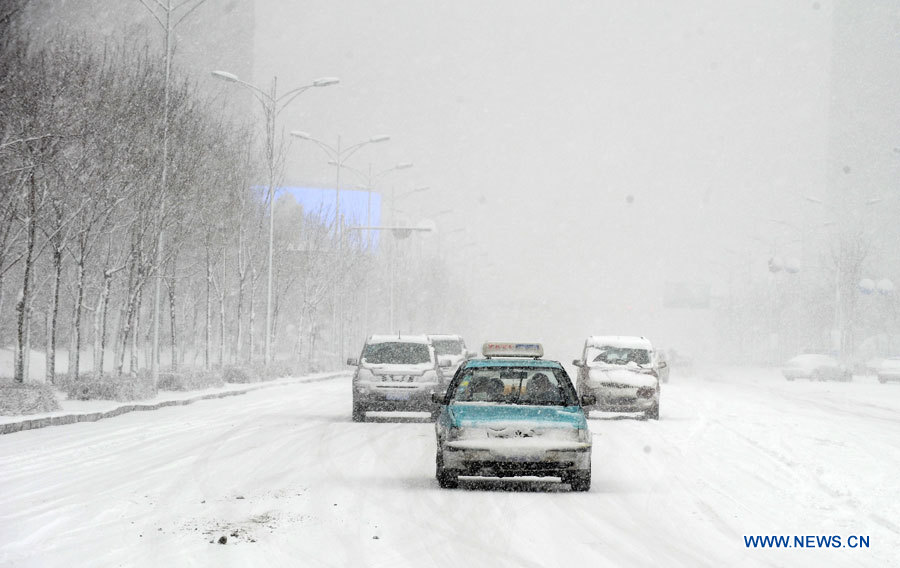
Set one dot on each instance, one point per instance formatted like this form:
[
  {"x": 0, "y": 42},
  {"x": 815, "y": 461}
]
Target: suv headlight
[{"x": 363, "y": 374}]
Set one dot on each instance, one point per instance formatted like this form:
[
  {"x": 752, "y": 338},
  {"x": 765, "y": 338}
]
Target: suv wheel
[
  {"x": 359, "y": 412},
  {"x": 578, "y": 480},
  {"x": 446, "y": 478},
  {"x": 653, "y": 413}
]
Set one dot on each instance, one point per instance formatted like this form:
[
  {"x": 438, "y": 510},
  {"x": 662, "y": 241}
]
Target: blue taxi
[{"x": 512, "y": 413}]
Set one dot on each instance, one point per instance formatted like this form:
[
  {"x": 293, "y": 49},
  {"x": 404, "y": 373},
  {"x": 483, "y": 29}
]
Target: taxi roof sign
[{"x": 510, "y": 349}]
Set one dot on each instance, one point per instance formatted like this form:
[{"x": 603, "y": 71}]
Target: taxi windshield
[
  {"x": 515, "y": 385},
  {"x": 396, "y": 353}
]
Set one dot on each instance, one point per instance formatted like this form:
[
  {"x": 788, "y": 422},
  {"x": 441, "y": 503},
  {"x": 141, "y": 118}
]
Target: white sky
[{"x": 534, "y": 122}]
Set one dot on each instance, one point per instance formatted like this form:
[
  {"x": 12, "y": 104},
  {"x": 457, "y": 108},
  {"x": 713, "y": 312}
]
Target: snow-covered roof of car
[
  {"x": 397, "y": 339},
  {"x": 627, "y": 341}
]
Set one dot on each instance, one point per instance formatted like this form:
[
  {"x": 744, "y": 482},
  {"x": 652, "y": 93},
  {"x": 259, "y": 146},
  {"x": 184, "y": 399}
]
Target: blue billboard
[{"x": 356, "y": 207}]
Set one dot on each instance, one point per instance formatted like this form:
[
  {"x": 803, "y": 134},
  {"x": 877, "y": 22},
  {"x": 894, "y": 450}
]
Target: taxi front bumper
[{"x": 469, "y": 457}]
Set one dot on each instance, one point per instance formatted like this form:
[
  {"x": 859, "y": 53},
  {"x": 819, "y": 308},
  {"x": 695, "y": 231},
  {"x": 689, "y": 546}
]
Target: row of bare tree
[{"x": 82, "y": 211}]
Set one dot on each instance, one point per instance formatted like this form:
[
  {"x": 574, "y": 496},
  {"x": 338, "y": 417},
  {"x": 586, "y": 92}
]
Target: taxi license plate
[{"x": 397, "y": 396}]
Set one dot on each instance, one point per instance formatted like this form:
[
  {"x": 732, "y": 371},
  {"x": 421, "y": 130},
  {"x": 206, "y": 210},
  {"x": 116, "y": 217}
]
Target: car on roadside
[
  {"x": 512, "y": 413},
  {"x": 889, "y": 370},
  {"x": 816, "y": 367},
  {"x": 621, "y": 373},
  {"x": 396, "y": 373},
  {"x": 452, "y": 347}
]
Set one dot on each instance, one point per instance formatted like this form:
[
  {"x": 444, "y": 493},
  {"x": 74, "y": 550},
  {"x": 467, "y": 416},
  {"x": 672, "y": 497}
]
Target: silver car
[
  {"x": 816, "y": 367},
  {"x": 622, "y": 373},
  {"x": 889, "y": 370},
  {"x": 396, "y": 373}
]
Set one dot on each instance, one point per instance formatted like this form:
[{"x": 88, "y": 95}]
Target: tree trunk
[
  {"x": 134, "y": 364},
  {"x": 208, "y": 312},
  {"x": 24, "y": 315},
  {"x": 54, "y": 312},
  {"x": 107, "y": 282},
  {"x": 172, "y": 324},
  {"x": 251, "y": 330},
  {"x": 222, "y": 307},
  {"x": 239, "y": 332},
  {"x": 75, "y": 357}
]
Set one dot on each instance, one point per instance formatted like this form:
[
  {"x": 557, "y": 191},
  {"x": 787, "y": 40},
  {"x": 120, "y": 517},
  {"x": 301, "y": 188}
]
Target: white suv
[
  {"x": 621, "y": 372},
  {"x": 452, "y": 347},
  {"x": 395, "y": 372}
]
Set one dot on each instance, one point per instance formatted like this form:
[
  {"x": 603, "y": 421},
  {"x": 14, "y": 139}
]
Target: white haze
[
  {"x": 535, "y": 122},
  {"x": 590, "y": 151}
]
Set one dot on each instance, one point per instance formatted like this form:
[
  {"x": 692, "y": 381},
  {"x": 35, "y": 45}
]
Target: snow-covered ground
[{"x": 291, "y": 481}]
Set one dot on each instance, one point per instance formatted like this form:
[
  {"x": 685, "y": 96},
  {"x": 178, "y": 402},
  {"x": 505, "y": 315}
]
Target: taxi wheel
[
  {"x": 579, "y": 480},
  {"x": 447, "y": 479}
]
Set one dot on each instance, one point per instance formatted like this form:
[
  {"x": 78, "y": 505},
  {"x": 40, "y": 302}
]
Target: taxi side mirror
[
  {"x": 352, "y": 361},
  {"x": 437, "y": 398},
  {"x": 577, "y": 363},
  {"x": 588, "y": 400}
]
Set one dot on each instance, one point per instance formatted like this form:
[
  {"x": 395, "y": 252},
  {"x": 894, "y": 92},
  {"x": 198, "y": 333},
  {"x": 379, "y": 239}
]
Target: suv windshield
[
  {"x": 396, "y": 353},
  {"x": 617, "y": 355},
  {"x": 515, "y": 385},
  {"x": 447, "y": 347}
]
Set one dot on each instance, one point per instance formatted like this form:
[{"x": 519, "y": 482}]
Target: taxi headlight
[
  {"x": 453, "y": 433},
  {"x": 584, "y": 435}
]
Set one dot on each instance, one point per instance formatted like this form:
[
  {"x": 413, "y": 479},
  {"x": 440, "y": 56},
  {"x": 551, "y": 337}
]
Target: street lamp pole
[
  {"x": 337, "y": 156},
  {"x": 371, "y": 181},
  {"x": 168, "y": 27},
  {"x": 272, "y": 105},
  {"x": 398, "y": 232}
]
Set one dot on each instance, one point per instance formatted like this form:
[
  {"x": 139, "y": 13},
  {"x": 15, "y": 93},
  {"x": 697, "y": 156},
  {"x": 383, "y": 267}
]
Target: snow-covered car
[
  {"x": 889, "y": 370},
  {"x": 395, "y": 373},
  {"x": 510, "y": 414},
  {"x": 816, "y": 367},
  {"x": 621, "y": 373},
  {"x": 452, "y": 348}
]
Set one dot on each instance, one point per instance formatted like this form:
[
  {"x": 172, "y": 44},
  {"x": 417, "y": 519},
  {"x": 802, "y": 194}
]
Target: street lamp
[
  {"x": 371, "y": 181},
  {"x": 399, "y": 232},
  {"x": 272, "y": 104},
  {"x": 166, "y": 19},
  {"x": 337, "y": 156}
]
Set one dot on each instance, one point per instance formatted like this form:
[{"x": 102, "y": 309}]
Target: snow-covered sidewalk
[{"x": 72, "y": 411}]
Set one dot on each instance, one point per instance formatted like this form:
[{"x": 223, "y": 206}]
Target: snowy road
[{"x": 291, "y": 481}]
